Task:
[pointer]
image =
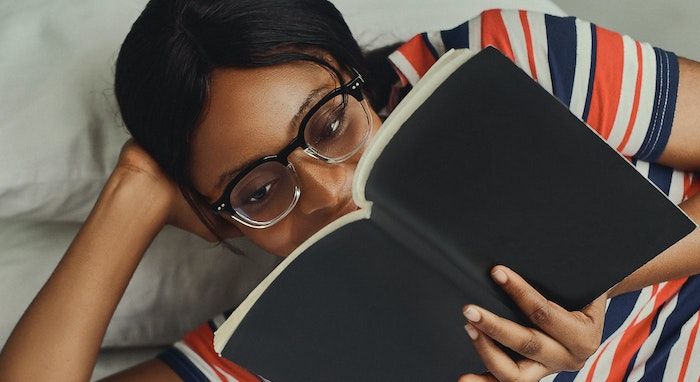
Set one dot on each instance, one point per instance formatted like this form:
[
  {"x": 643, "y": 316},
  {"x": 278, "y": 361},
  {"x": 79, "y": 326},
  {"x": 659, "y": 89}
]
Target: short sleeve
[
  {"x": 194, "y": 359},
  {"x": 623, "y": 88}
]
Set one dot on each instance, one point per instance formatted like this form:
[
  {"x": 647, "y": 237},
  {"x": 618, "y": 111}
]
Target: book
[{"x": 477, "y": 166}]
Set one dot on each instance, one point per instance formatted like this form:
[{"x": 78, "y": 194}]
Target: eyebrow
[{"x": 313, "y": 95}]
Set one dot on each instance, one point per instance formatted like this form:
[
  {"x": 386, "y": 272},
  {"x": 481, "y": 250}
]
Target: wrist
[{"x": 136, "y": 194}]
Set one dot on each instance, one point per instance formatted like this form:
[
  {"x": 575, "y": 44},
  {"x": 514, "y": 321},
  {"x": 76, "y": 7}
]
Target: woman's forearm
[
  {"x": 680, "y": 260},
  {"x": 59, "y": 335}
]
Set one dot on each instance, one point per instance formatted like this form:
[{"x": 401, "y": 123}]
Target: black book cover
[{"x": 481, "y": 167}]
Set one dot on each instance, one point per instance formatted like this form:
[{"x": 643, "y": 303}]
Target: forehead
[{"x": 248, "y": 115}]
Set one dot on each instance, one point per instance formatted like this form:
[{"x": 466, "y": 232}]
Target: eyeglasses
[{"x": 334, "y": 129}]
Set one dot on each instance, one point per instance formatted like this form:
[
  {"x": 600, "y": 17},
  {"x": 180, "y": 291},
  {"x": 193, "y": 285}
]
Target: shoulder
[
  {"x": 193, "y": 357},
  {"x": 514, "y": 32}
]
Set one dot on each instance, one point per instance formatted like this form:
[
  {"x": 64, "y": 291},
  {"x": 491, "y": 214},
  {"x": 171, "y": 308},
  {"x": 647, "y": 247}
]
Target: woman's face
[{"x": 251, "y": 114}]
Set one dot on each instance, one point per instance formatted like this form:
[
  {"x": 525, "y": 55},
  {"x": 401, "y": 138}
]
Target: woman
[{"x": 208, "y": 88}]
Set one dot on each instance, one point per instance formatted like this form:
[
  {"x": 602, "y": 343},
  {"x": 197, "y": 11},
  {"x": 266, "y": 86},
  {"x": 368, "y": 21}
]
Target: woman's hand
[
  {"x": 135, "y": 161},
  {"x": 563, "y": 342}
]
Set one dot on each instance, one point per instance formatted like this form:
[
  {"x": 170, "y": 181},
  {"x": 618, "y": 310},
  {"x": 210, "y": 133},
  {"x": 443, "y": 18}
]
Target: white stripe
[
  {"x": 583, "y": 68},
  {"x": 675, "y": 192},
  {"x": 650, "y": 342},
  {"x": 643, "y": 168},
  {"x": 627, "y": 90},
  {"x": 475, "y": 34},
  {"x": 538, "y": 33},
  {"x": 605, "y": 362},
  {"x": 648, "y": 307},
  {"x": 516, "y": 36},
  {"x": 435, "y": 38},
  {"x": 646, "y": 101},
  {"x": 400, "y": 61},
  {"x": 202, "y": 365},
  {"x": 677, "y": 353}
]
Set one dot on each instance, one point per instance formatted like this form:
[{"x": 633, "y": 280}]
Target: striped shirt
[{"x": 626, "y": 91}]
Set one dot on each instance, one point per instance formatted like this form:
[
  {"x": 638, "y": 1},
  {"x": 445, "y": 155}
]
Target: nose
[{"x": 321, "y": 183}]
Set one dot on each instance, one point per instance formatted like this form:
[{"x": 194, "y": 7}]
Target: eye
[
  {"x": 259, "y": 195},
  {"x": 330, "y": 130},
  {"x": 332, "y": 126}
]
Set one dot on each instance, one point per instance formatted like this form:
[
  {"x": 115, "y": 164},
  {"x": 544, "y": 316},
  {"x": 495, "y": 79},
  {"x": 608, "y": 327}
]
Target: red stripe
[
  {"x": 689, "y": 349},
  {"x": 528, "y": 41},
  {"x": 589, "y": 377},
  {"x": 201, "y": 341},
  {"x": 635, "y": 335},
  {"x": 418, "y": 54},
  {"x": 607, "y": 83},
  {"x": 693, "y": 186},
  {"x": 635, "y": 104},
  {"x": 494, "y": 33},
  {"x": 686, "y": 185}
]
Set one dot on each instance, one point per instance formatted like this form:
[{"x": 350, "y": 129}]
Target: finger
[
  {"x": 496, "y": 361},
  {"x": 486, "y": 377},
  {"x": 567, "y": 328},
  {"x": 530, "y": 343},
  {"x": 596, "y": 309},
  {"x": 532, "y": 370}
]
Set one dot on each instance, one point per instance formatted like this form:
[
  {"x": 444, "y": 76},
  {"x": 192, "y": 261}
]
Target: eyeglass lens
[{"x": 335, "y": 131}]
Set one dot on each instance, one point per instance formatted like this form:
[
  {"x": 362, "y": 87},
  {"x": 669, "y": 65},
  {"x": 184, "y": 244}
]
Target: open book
[{"x": 477, "y": 166}]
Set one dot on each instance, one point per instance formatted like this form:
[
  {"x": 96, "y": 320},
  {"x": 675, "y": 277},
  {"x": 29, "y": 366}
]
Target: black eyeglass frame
[{"x": 353, "y": 88}]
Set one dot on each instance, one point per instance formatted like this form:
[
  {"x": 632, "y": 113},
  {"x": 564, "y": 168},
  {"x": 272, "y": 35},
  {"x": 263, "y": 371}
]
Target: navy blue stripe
[
  {"x": 630, "y": 366},
  {"x": 667, "y": 105},
  {"x": 430, "y": 46},
  {"x": 591, "y": 76},
  {"x": 685, "y": 309},
  {"x": 645, "y": 149},
  {"x": 457, "y": 37},
  {"x": 561, "y": 48},
  {"x": 565, "y": 376},
  {"x": 661, "y": 175},
  {"x": 181, "y": 365},
  {"x": 654, "y": 321},
  {"x": 619, "y": 309}
]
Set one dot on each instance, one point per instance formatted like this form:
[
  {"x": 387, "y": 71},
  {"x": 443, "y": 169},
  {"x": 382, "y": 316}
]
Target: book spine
[
  {"x": 426, "y": 250},
  {"x": 467, "y": 273}
]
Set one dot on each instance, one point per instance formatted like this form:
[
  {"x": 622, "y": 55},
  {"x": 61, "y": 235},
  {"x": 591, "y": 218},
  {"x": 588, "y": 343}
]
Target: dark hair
[{"x": 164, "y": 65}]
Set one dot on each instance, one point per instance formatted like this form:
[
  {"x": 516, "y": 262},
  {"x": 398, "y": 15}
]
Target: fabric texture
[{"x": 623, "y": 89}]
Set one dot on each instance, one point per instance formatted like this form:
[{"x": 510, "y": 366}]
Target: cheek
[{"x": 279, "y": 240}]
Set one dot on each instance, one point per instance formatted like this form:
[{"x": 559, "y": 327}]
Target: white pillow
[
  {"x": 60, "y": 136},
  {"x": 181, "y": 282}
]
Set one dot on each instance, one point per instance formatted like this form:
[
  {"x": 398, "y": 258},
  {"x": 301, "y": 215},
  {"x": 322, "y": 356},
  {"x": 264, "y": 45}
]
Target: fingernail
[
  {"x": 471, "y": 331},
  {"x": 472, "y": 314},
  {"x": 500, "y": 276}
]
